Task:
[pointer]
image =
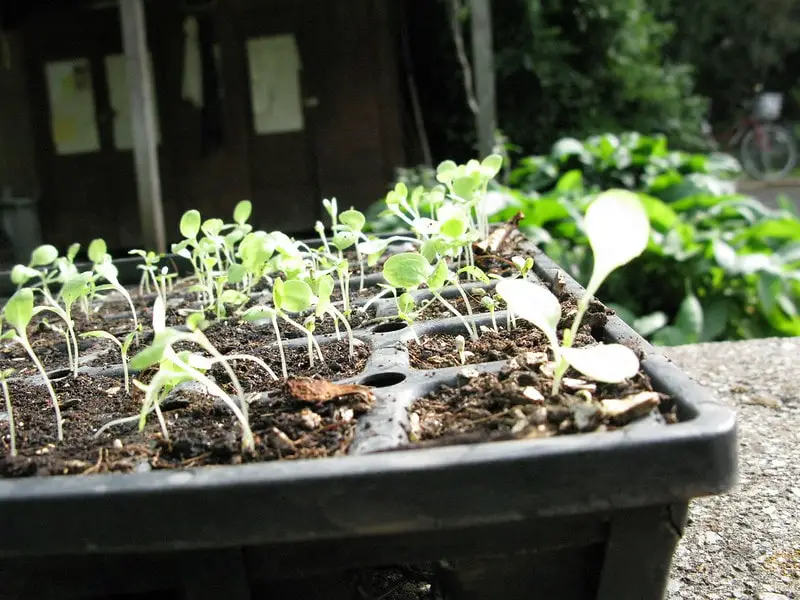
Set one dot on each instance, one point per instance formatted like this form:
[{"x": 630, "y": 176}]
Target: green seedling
[
  {"x": 103, "y": 266},
  {"x": 123, "y": 346},
  {"x": 175, "y": 367},
  {"x": 523, "y": 265},
  {"x": 324, "y": 285},
  {"x": 490, "y": 304},
  {"x": 18, "y": 313},
  {"x": 295, "y": 296},
  {"x": 149, "y": 273},
  {"x": 410, "y": 270},
  {"x": 609, "y": 213},
  {"x": 12, "y": 431},
  {"x": 41, "y": 257}
]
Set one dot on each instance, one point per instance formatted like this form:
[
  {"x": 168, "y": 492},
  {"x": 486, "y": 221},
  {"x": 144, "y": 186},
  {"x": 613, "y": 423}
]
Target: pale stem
[
  {"x": 466, "y": 303},
  {"x": 374, "y": 298},
  {"x": 248, "y": 443},
  {"x": 23, "y": 341},
  {"x": 284, "y": 372},
  {"x": 361, "y": 269},
  {"x": 453, "y": 310},
  {"x": 249, "y": 357},
  {"x": 307, "y": 333},
  {"x": 11, "y": 428},
  {"x": 336, "y": 316}
]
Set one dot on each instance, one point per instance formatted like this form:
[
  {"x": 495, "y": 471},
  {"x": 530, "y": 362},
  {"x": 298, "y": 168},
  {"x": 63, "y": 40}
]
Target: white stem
[
  {"x": 250, "y": 357},
  {"x": 308, "y": 334},
  {"x": 11, "y": 428},
  {"x": 248, "y": 442},
  {"x": 453, "y": 310},
  {"x": 23, "y": 341},
  {"x": 336, "y": 316},
  {"x": 284, "y": 372}
]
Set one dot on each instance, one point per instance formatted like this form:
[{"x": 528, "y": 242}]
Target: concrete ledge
[
  {"x": 751, "y": 185},
  {"x": 746, "y": 544}
]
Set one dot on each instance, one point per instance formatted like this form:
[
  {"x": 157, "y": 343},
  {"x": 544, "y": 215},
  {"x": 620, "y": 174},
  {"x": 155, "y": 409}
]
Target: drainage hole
[
  {"x": 390, "y": 326},
  {"x": 382, "y": 380},
  {"x": 58, "y": 374}
]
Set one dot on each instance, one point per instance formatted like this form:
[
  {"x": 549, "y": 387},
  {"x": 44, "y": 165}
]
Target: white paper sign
[
  {"x": 73, "y": 121},
  {"x": 120, "y": 98},
  {"x": 274, "y": 65}
]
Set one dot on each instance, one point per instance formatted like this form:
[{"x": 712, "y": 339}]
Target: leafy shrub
[{"x": 719, "y": 266}]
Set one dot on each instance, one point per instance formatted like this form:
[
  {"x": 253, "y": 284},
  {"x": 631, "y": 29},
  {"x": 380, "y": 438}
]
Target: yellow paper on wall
[{"x": 73, "y": 118}]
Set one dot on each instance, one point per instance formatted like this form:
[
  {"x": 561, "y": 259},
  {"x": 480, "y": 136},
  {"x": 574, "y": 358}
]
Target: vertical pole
[
  {"x": 482, "y": 62},
  {"x": 143, "y": 124}
]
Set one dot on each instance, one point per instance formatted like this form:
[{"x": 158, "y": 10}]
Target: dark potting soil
[
  {"x": 202, "y": 430},
  {"x": 439, "y": 350},
  {"x": 517, "y": 404},
  {"x": 436, "y": 310}
]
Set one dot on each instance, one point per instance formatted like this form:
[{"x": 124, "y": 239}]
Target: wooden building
[{"x": 280, "y": 102}]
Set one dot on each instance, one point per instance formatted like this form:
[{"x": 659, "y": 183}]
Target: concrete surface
[
  {"x": 746, "y": 544},
  {"x": 768, "y": 192}
]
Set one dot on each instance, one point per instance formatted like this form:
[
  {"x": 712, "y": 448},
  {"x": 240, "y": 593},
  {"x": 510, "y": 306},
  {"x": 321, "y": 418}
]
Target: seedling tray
[{"x": 575, "y": 516}]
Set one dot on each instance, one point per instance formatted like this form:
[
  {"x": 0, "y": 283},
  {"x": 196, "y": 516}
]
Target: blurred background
[{"x": 116, "y": 116}]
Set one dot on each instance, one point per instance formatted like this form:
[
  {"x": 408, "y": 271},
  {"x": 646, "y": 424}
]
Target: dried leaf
[
  {"x": 320, "y": 390},
  {"x": 624, "y": 410}
]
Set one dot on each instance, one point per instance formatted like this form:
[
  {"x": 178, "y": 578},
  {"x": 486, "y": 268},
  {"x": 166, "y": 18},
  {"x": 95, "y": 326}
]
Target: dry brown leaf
[{"x": 320, "y": 390}]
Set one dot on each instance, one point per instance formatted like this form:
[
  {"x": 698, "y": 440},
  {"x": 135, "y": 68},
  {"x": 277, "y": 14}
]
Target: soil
[
  {"x": 506, "y": 405},
  {"x": 437, "y": 310},
  {"x": 439, "y": 350},
  {"x": 202, "y": 431}
]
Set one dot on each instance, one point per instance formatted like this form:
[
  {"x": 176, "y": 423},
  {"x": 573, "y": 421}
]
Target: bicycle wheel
[{"x": 770, "y": 153}]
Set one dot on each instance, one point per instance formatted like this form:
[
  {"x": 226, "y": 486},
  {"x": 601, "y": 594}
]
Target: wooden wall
[{"x": 350, "y": 144}]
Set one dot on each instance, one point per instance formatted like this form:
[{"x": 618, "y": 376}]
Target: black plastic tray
[{"x": 579, "y": 516}]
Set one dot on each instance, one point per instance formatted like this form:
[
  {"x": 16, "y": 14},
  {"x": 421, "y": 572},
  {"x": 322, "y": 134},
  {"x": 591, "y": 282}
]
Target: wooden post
[
  {"x": 143, "y": 124},
  {"x": 483, "y": 69}
]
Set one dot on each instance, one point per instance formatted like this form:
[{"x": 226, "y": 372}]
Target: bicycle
[{"x": 767, "y": 150}]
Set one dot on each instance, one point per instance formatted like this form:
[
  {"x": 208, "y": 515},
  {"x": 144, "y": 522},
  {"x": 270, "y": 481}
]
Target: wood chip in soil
[{"x": 516, "y": 404}]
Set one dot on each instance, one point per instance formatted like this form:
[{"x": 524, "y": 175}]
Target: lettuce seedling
[
  {"x": 18, "y": 313},
  {"x": 176, "y": 366},
  {"x": 103, "y": 266},
  {"x": 123, "y": 346},
  {"x": 149, "y": 270},
  {"x": 323, "y": 286},
  {"x": 611, "y": 212},
  {"x": 410, "y": 270},
  {"x": 12, "y": 431},
  {"x": 41, "y": 257}
]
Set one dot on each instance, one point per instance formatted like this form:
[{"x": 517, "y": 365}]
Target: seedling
[
  {"x": 610, "y": 213},
  {"x": 12, "y": 431},
  {"x": 103, "y": 266},
  {"x": 461, "y": 344},
  {"x": 18, "y": 313},
  {"x": 181, "y": 366},
  {"x": 123, "y": 346},
  {"x": 410, "y": 270}
]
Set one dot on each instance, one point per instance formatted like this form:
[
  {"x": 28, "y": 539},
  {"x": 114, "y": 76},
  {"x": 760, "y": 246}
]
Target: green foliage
[
  {"x": 719, "y": 265},
  {"x": 735, "y": 46},
  {"x": 563, "y": 68}
]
